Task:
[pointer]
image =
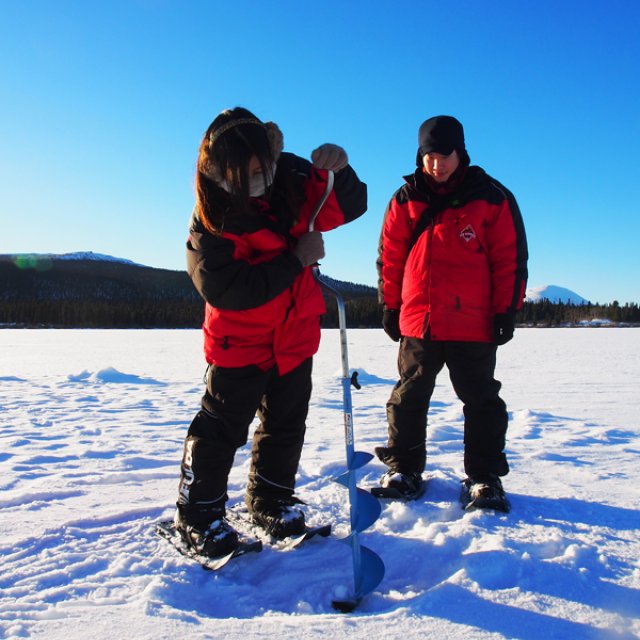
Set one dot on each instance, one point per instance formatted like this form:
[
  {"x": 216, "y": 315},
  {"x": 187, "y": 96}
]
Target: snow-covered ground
[{"x": 92, "y": 424}]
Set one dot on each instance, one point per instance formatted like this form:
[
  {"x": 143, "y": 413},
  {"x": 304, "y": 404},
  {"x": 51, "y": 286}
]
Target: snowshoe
[
  {"x": 484, "y": 492},
  {"x": 243, "y": 521},
  {"x": 167, "y": 530}
]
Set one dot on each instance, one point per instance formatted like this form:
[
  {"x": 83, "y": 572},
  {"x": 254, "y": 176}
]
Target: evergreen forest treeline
[
  {"x": 559, "y": 314},
  {"x": 361, "y": 312},
  {"x": 103, "y": 294}
]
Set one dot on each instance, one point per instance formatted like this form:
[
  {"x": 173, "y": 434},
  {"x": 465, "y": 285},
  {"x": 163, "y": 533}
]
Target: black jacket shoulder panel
[
  {"x": 479, "y": 185},
  {"x": 415, "y": 189},
  {"x": 402, "y": 195},
  {"x": 351, "y": 193},
  {"x": 291, "y": 162}
]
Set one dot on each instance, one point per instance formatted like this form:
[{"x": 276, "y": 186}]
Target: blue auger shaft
[
  {"x": 375, "y": 568},
  {"x": 364, "y": 581},
  {"x": 349, "y": 444}
]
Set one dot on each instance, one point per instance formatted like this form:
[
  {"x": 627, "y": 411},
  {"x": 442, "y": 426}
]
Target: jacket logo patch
[{"x": 468, "y": 234}]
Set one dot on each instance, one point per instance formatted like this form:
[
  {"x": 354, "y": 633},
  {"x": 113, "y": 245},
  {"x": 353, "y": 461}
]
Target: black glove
[
  {"x": 391, "y": 324},
  {"x": 503, "y": 327}
]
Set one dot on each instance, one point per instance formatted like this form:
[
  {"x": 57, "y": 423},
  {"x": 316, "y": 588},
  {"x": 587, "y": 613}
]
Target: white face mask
[{"x": 258, "y": 183}]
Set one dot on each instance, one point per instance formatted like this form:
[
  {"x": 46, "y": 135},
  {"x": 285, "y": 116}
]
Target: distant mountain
[
  {"x": 554, "y": 294},
  {"x": 90, "y": 255},
  {"x": 88, "y": 276},
  {"x": 88, "y": 289},
  {"x": 40, "y": 260}
]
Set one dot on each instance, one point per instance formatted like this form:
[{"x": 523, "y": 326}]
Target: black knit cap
[{"x": 441, "y": 134}]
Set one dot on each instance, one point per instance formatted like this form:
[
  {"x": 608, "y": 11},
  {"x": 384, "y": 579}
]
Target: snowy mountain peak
[
  {"x": 90, "y": 255},
  {"x": 554, "y": 294},
  {"x": 77, "y": 255}
]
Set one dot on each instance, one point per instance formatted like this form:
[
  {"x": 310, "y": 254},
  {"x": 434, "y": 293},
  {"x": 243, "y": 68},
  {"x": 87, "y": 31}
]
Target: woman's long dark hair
[{"x": 224, "y": 154}]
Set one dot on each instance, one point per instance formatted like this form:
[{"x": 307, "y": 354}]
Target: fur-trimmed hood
[{"x": 276, "y": 143}]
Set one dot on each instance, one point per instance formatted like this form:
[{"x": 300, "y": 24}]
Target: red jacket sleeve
[
  {"x": 346, "y": 202},
  {"x": 508, "y": 255},
  {"x": 393, "y": 249}
]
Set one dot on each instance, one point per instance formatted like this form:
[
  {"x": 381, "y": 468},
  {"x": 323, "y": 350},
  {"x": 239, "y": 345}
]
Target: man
[{"x": 452, "y": 272}]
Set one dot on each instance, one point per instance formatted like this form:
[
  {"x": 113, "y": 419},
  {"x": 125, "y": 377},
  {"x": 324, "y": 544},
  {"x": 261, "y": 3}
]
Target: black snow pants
[
  {"x": 471, "y": 370},
  {"x": 229, "y": 405}
]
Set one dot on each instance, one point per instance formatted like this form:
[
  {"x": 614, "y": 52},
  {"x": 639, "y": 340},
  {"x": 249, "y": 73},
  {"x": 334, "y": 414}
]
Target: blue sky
[{"x": 104, "y": 104}]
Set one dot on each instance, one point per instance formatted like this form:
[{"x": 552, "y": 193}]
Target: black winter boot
[
  {"x": 484, "y": 492},
  {"x": 407, "y": 486},
  {"x": 277, "y": 515},
  {"x": 213, "y": 537}
]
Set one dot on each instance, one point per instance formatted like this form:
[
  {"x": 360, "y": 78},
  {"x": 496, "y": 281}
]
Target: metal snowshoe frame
[{"x": 364, "y": 508}]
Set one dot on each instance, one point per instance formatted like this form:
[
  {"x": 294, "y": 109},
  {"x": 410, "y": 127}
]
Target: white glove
[{"x": 330, "y": 157}]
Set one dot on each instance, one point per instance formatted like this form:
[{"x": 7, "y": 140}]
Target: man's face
[{"x": 440, "y": 167}]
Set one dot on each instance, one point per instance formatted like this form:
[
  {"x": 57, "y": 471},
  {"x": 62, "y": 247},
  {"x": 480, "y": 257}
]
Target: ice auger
[{"x": 364, "y": 509}]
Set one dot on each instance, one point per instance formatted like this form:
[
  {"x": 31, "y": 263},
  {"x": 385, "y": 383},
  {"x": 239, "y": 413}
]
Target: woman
[{"x": 250, "y": 254}]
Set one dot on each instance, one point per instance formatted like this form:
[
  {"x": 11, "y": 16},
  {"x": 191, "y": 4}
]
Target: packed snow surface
[{"x": 91, "y": 438}]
